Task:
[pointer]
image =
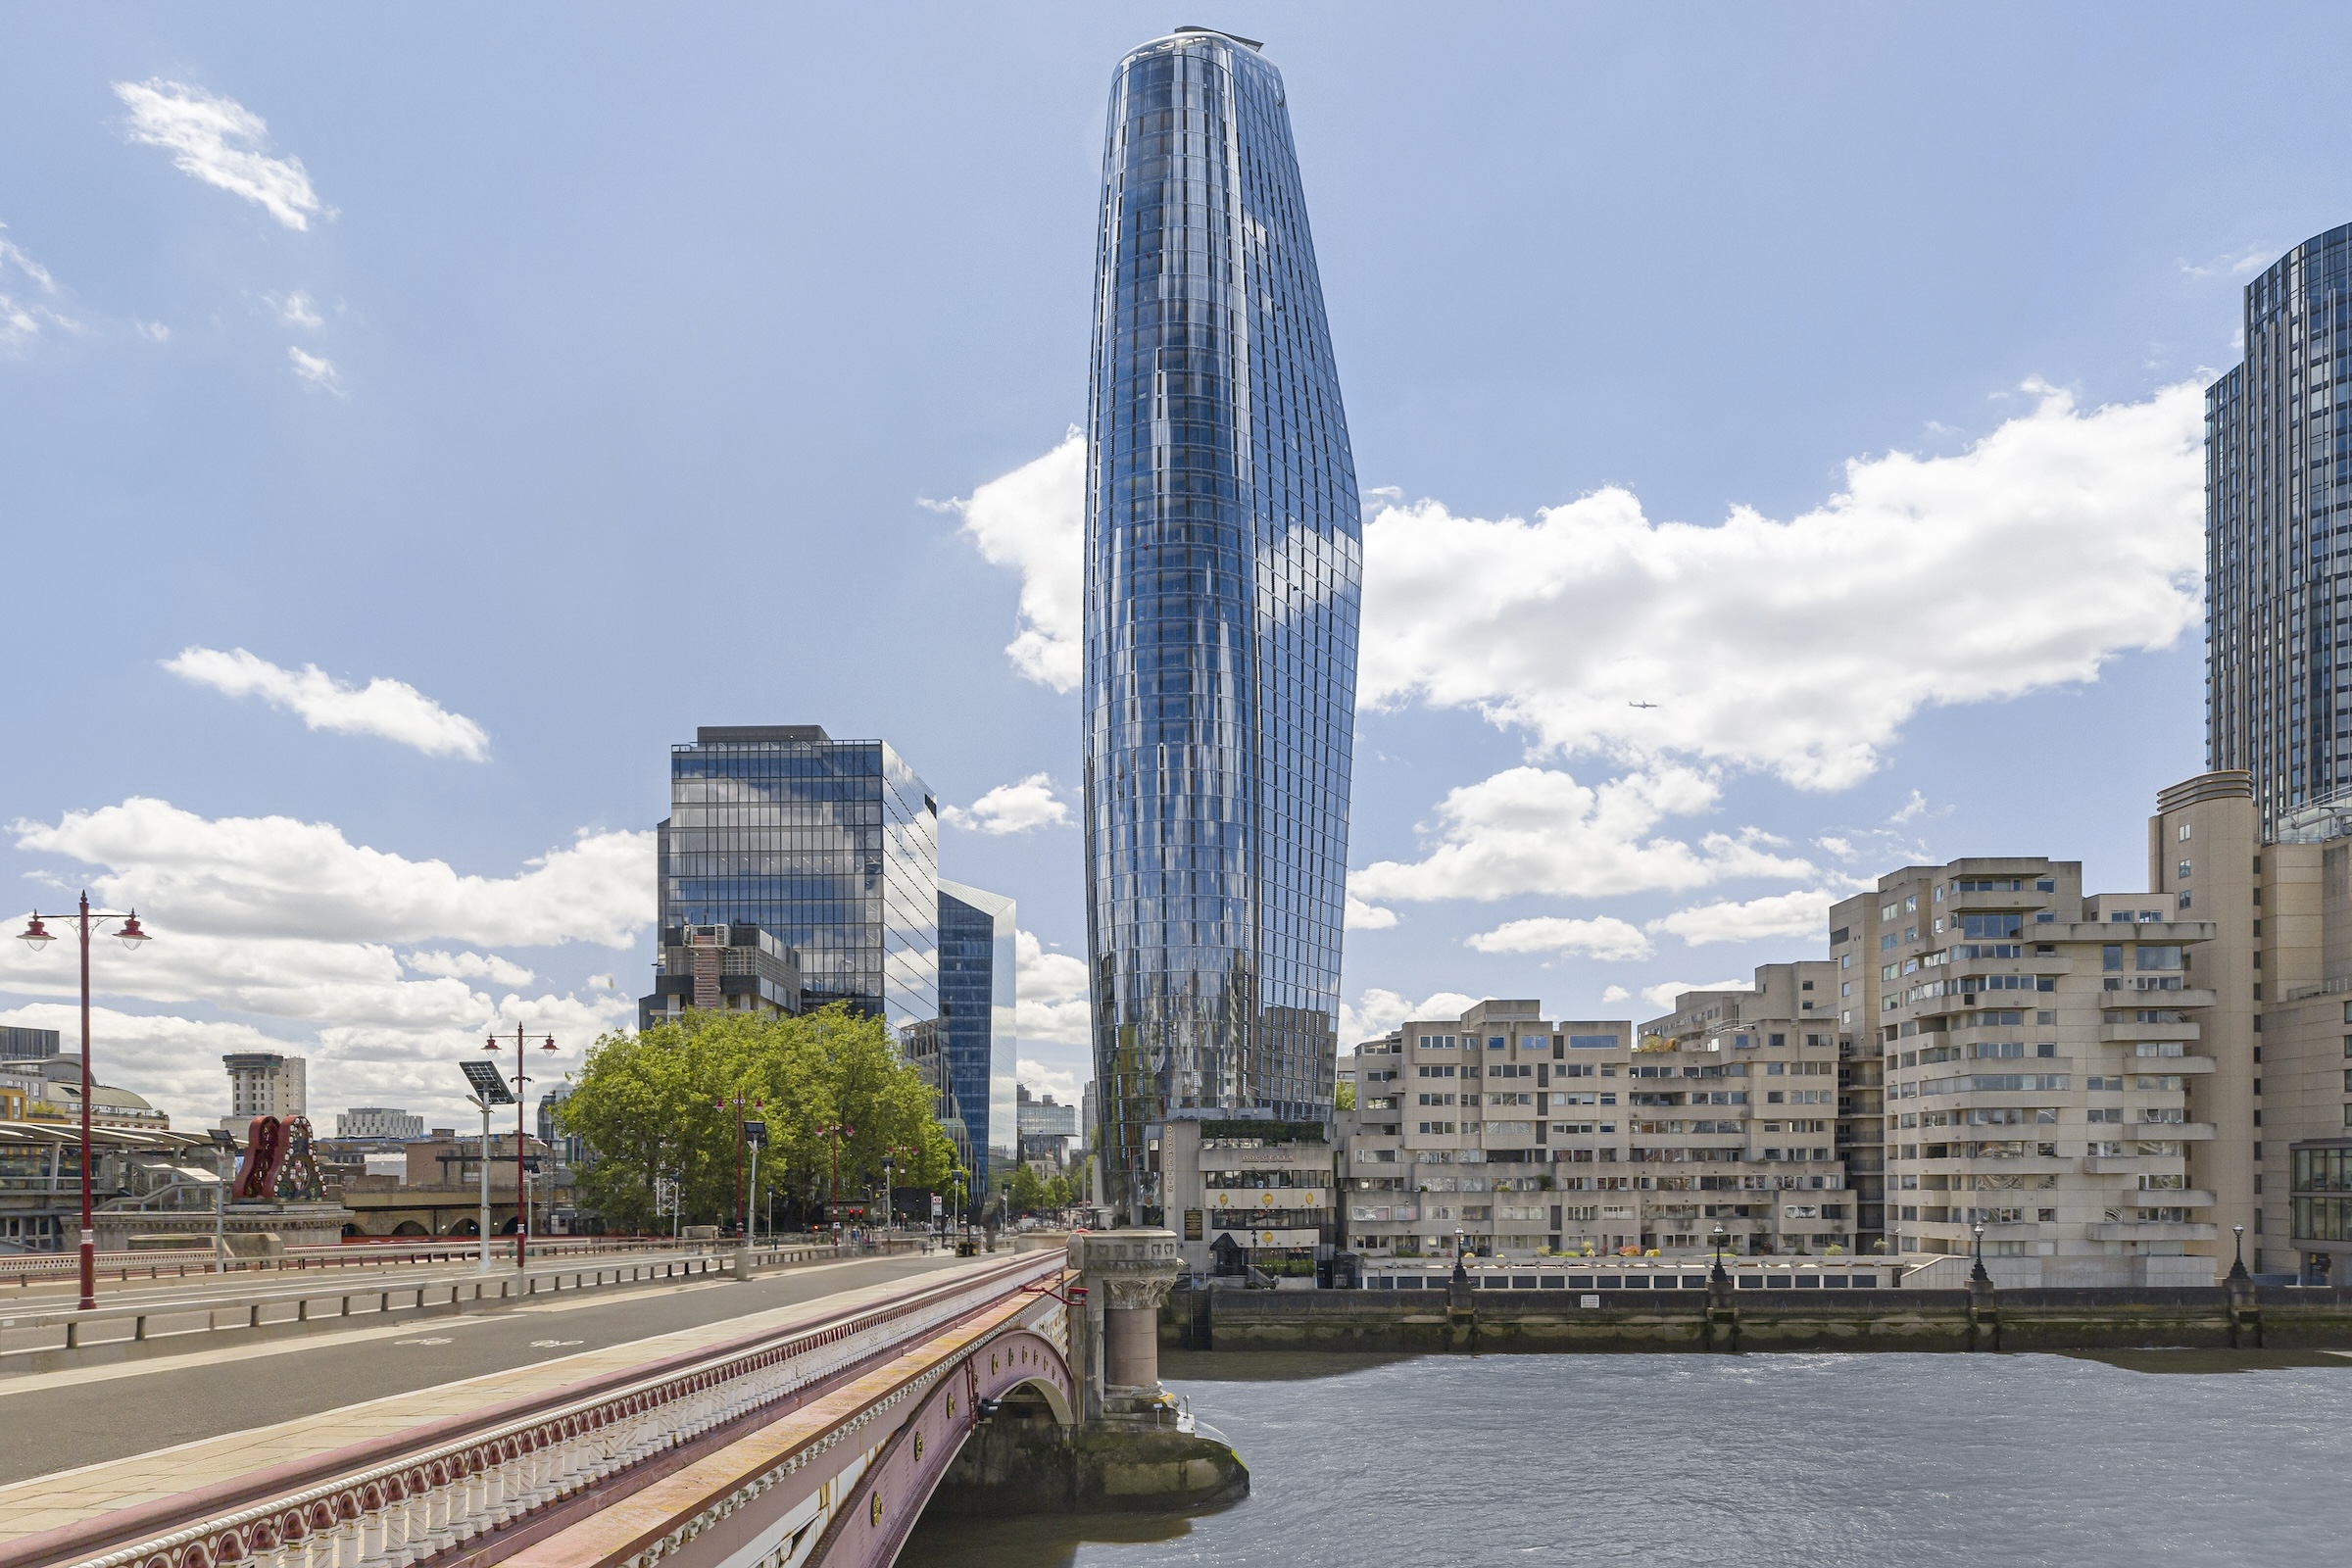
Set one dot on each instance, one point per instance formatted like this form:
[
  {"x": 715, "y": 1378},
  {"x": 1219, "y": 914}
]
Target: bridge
[{"x": 800, "y": 1416}]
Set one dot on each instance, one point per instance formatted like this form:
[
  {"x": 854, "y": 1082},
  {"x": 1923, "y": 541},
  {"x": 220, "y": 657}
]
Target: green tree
[
  {"x": 1345, "y": 1099},
  {"x": 829, "y": 1084},
  {"x": 1024, "y": 1192}
]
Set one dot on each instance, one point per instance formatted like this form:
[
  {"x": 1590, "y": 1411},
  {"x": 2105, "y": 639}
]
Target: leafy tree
[
  {"x": 1345, "y": 1098},
  {"x": 1023, "y": 1191},
  {"x": 831, "y": 1085}
]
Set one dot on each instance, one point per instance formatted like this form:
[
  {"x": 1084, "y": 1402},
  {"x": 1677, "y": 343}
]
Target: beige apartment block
[
  {"x": 2037, "y": 1047},
  {"x": 2280, "y": 1034},
  {"x": 1501, "y": 1132}
]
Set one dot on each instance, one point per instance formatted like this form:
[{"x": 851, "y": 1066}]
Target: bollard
[{"x": 138, "y": 1327}]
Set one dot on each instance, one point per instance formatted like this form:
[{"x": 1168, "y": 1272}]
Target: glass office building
[
  {"x": 831, "y": 847},
  {"x": 978, "y": 1049},
  {"x": 2278, "y": 538},
  {"x": 1223, "y": 563}
]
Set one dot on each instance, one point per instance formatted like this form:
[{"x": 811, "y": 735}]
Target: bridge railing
[
  {"x": 26, "y": 1268},
  {"x": 404, "y": 1496},
  {"x": 68, "y": 1329}
]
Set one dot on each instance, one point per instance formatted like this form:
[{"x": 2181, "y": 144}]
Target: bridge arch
[{"x": 879, "y": 1506}]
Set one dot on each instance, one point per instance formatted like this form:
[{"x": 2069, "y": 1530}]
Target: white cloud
[
  {"x": 241, "y": 878},
  {"x": 1603, "y": 936},
  {"x": 1010, "y": 808},
  {"x": 1538, "y": 830},
  {"x": 1911, "y": 808},
  {"x": 1614, "y": 995},
  {"x": 391, "y": 710},
  {"x": 1377, "y": 1011},
  {"x": 2052, "y": 545},
  {"x": 1059, "y": 1082},
  {"x": 288, "y": 922},
  {"x": 1362, "y": 916},
  {"x": 1051, "y": 991},
  {"x": 1661, "y": 996},
  {"x": 295, "y": 310},
  {"x": 220, "y": 142},
  {"x": 320, "y": 372},
  {"x": 21, "y": 322},
  {"x": 479, "y": 966},
  {"x": 1034, "y": 521},
  {"x": 1786, "y": 915},
  {"x": 152, "y": 331}
]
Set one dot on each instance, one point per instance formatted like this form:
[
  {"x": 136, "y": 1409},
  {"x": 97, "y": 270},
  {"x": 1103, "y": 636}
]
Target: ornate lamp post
[
  {"x": 1719, "y": 1236},
  {"x": 737, "y": 1104},
  {"x": 36, "y": 936},
  {"x": 2238, "y": 1264},
  {"x": 522, "y": 1208},
  {"x": 1977, "y": 1275}
]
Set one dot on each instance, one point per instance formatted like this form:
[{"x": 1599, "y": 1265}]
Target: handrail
[{"x": 410, "y": 1494}]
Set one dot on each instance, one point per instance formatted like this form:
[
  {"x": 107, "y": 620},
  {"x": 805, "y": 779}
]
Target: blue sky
[{"x": 579, "y": 375}]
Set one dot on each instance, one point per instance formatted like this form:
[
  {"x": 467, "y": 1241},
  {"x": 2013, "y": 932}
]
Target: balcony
[
  {"x": 2181, "y": 932},
  {"x": 2112, "y": 1033},
  {"x": 2187, "y": 1067},
  {"x": 2124, "y": 1165},
  {"x": 2153, "y": 1231}
]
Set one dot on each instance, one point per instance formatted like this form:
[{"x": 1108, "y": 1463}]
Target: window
[
  {"x": 2182, "y": 871},
  {"x": 1911, "y": 905},
  {"x": 1991, "y": 926},
  {"x": 2184, "y": 899},
  {"x": 2184, "y": 832},
  {"x": 1592, "y": 1041},
  {"x": 2111, "y": 958}
]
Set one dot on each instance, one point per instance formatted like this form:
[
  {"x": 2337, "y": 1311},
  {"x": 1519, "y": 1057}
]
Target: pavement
[{"x": 150, "y": 1425}]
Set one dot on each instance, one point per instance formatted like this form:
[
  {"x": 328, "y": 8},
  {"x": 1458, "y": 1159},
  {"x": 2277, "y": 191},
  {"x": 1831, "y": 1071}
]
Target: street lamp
[
  {"x": 1977, "y": 1275},
  {"x": 737, "y": 1103},
  {"x": 1720, "y": 1236},
  {"x": 523, "y": 1209},
  {"x": 36, "y": 936},
  {"x": 1461, "y": 1275},
  {"x": 2238, "y": 1265}
]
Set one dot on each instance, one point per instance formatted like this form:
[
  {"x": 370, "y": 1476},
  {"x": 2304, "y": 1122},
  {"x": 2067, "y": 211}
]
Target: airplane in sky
[{"x": 1641, "y": 705}]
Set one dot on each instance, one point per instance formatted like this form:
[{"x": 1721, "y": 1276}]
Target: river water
[{"x": 1884, "y": 1461}]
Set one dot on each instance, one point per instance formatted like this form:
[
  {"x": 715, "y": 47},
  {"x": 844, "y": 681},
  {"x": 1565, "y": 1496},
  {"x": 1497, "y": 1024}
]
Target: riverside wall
[{"x": 1716, "y": 1319}]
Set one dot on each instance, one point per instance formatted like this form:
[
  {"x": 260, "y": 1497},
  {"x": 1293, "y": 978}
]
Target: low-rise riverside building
[
  {"x": 1503, "y": 1133},
  {"x": 1247, "y": 1192}
]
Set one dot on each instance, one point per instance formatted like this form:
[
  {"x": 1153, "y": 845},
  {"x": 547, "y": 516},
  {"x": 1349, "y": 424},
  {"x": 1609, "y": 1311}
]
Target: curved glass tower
[{"x": 1223, "y": 565}]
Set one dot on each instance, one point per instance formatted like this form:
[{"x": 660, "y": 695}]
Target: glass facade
[
  {"x": 1223, "y": 567},
  {"x": 978, "y": 1049},
  {"x": 831, "y": 847},
  {"x": 2278, "y": 538}
]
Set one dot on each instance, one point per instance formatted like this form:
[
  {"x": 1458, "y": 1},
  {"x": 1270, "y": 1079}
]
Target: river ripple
[{"x": 1878, "y": 1461}]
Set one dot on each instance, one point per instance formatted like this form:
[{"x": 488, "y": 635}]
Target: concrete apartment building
[
  {"x": 378, "y": 1121},
  {"x": 2280, "y": 1032},
  {"x": 1516, "y": 1135},
  {"x": 1248, "y": 1191},
  {"x": 2037, "y": 1048}
]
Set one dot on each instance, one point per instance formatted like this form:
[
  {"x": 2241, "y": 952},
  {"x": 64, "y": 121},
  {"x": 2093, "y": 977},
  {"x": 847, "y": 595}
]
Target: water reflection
[{"x": 1032, "y": 1543}]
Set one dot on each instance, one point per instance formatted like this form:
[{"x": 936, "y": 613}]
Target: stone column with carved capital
[{"x": 1127, "y": 1275}]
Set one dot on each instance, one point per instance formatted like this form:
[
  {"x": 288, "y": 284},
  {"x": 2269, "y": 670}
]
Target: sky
[{"x": 413, "y": 422}]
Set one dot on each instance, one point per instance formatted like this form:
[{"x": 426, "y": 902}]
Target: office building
[
  {"x": 978, "y": 1049},
  {"x": 2278, "y": 537},
  {"x": 378, "y": 1121},
  {"x": 722, "y": 968},
  {"x": 26, "y": 1045},
  {"x": 1223, "y": 565},
  {"x": 1047, "y": 1129},
  {"x": 264, "y": 1083},
  {"x": 829, "y": 847}
]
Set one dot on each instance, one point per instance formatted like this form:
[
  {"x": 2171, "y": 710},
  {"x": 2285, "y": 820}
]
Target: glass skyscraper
[
  {"x": 2278, "y": 538},
  {"x": 978, "y": 1049},
  {"x": 1223, "y": 565},
  {"x": 831, "y": 847}
]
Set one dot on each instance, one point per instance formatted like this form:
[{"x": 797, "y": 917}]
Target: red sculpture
[{"x": 265, "y": 1156}]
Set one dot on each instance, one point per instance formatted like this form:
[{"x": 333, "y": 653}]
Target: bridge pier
[{"x": 1127, "y": 1276}]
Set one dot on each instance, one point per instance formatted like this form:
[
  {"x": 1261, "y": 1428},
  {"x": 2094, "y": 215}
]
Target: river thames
[{"x": 1884, "y": 1461}]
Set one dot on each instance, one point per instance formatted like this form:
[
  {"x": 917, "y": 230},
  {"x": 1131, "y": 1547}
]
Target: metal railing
[{"x": 404, "y": 1496}]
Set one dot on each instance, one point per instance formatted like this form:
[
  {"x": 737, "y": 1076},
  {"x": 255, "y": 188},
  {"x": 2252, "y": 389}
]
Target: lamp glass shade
[{"x": 36, "y": 936}]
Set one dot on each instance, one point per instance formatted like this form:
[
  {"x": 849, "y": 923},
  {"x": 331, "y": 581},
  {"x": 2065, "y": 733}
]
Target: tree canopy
[{"x": 649, "y": 1105}]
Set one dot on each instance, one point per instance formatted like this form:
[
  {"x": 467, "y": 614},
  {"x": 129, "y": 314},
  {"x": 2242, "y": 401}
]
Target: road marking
[
  {"x": 441, "y": 1341},
  {"x": 536, "y": 1345}
]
